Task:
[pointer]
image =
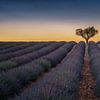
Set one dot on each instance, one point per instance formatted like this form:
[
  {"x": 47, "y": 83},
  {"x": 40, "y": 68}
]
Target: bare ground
[{"x": 87, "y": 84}]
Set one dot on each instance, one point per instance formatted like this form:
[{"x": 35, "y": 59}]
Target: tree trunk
[{"x": 87, "y": 41}]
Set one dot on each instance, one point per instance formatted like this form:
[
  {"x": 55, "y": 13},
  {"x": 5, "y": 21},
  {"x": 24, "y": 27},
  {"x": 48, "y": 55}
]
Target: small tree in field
[{"x": 87, "y": 33}]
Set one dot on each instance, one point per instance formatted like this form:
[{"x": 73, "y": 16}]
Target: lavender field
[{"x": 46, "y": 70}]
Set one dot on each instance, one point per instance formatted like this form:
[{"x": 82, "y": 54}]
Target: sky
[{"x": 47, "y": 20}]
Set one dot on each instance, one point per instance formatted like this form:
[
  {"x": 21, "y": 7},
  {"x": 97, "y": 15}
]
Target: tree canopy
[{"x": 87, "y": 33}]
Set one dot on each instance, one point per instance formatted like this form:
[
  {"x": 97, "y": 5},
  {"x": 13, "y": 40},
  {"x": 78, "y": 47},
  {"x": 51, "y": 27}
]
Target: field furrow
[
  {"x": 16, "y": 47},
  {"x": 14, "y": 79},
  {"x": 49, "y": 70},
  {"x": 23, "y": 51},
  {"x": 61, "y": 83},
  {"x": 28, "y": 57}
]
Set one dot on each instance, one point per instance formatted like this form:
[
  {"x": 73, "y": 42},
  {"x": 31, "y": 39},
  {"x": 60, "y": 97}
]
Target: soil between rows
[{"x": 87, "y": 84}]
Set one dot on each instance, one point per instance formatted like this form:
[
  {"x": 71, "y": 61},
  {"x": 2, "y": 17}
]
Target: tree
[{"x": 87, "y": 33}]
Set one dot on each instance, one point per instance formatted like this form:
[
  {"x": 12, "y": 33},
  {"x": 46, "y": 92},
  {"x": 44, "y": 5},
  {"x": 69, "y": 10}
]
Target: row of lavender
[
  {"x": 23, "y": 51},
  {"x": 62, "y": 82},
  {"x": 14, "y": 79},
  {"x": 16, "y": 47},
  {"x": 98, "y": 42},
  {"x": 7, "y": 45},
  {"x": 12, "y": 47},
  {"x": 16, "y": 61},
  {"x": 94, "y": 52}
]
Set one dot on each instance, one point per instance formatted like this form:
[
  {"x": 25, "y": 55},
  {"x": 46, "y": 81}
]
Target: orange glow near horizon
[{"x": 41, "y": 31}]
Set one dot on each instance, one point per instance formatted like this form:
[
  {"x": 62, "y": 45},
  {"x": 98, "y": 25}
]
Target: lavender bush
[
  {"x": 9, "y": 45},
  {"x": 23, "y": 51},
  {"x": 34, "y": 55},
  {"x": 94, "y": 53},
  {"x": 17, "y": 47},
  {"x": 30, "y": 56},
  {"x": 98, "y": 42},
  {"x": 62, "y": 82},
  {"x": 17, "y": 77}
]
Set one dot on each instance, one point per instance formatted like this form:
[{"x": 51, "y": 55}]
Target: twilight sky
[{"x": 25, "y": 20}]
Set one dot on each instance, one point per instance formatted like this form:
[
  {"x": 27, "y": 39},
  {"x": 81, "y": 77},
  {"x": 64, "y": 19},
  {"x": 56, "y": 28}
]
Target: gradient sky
[{"x": 36, "y": 20}]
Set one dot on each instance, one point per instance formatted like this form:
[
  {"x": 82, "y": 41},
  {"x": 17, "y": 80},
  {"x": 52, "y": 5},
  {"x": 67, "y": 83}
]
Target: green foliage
[{"x": 87, "y": 33}]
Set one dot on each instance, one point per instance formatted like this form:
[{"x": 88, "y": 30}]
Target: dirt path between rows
[{"x": 87, "y": 84}]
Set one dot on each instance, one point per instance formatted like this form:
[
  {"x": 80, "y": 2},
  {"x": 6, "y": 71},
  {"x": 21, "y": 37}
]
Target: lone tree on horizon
[{"x": 87, "y": 33}]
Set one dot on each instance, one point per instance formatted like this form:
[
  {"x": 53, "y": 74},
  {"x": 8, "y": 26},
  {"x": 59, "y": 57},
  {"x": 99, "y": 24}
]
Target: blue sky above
[{"x": 50, "y": 10}]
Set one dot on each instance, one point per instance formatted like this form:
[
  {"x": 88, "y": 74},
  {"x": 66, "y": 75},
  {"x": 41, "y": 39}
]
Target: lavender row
[
  {"x": 5, "y": 43},
  {"x": 94, "y": 53},
  {"x": 9, "y": 45},
  {"x": 34, "y": 55},
  {"x": 59, "y": 54},
  {"x": 62, "y": 82},
  {"x": 98, "y": 42},
  {"x": 17, "y": 47},
  {"x": 16, "y": 61},
  {"x": 23, "y": 51},
  {"x": 14, "y": 79}
]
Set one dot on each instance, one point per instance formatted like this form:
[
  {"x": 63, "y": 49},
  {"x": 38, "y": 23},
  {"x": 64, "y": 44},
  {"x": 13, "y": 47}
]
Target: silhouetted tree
[{"x": 87, "y": 33}]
